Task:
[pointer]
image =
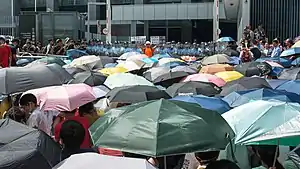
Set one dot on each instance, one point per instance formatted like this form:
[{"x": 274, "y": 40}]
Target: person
[
  {"x": 88, "y": 110},
  {"x": 70, "y": 115},
  {"x": 14, "y": 51},
  {"x": 17, "y": 114},
  {"x": 289, "y": 43},
  {"x": 205, "y": 158},
  {"x": 276, "y": 48},
  {"x": 255, "y": 50},
  {"x": 245, "y": 54},
  {"x": 72, "y": 135},
  {"x": 59, "y": 48},
  {"x": 37, "y": 118},
  {"x": 5, "y": 53},
  {"x": 222, "y": 164},
  {"x": 267, "y": 153},
  {"x": 148, "y": 50},
  {"x": 49, "y": 47}
]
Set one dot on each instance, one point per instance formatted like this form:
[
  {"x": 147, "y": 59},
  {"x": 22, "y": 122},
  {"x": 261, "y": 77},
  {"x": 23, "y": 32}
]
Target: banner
[
  {"x": 138, "y": 39},
  {"x": 157, "y": 39}
]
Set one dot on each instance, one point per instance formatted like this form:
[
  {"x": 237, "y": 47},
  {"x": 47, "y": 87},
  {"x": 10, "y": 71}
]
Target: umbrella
[
  {"x": 73, "y": 70},
  {"x": 235, "y": 60},
  {"x": 128, "y": 54},
  {"x": 60, "y": 72},
  {"x": 254, "y": 68},
  {"x": 75, "y": 53},
  {"x": 131, "y": 65},
  {"x": 166, "y": 61},
  {"x": 161, "y": 74},
  {"x": 92, "y": 161},
  {"x": 228, "y": 76},
  {"x": 98, "y": 63},
  {"x": 296, "y": 62},
  {"x": 290, "y": 74},
  {"x": 173, "y": 64},
  {"x": 205, "y": 78},
  {"x": 82, "y": 61},
  {"x": 125, "y": 79},
  {"x": 291, "y": 52},
  {"x": 21, "y": 79},
  {"x": 136, "y": 57},
  {"x": 100, "y": 91},
  {"x": 64, "y": 98},
  {"x": 135, "y": 94},
  {"x": 113, "y": 70},
  {"x": 160, "y": 56},
  {"x": 25, "y": 147},
  {"x": 49, "y": 60},
  {"x": 212, "y": 69},
  {"x": 210, "y": 103},
  {"x": 292, "y": 86},
  {"x": 296, "y": 45},
  {"x": 151, "y": 128},
  {"x": 225, "y": 39},
  {"x": 193, "y": 88},
  {"x": 244, "y": 83},
  {"x": 282, "y": 61},
  {"x": 238, "y": 98},
  {"x": 109, "y": 65},
  {"x": 276, "y": 68},
  {"x": 216, "y": 59},
  {"x": 186, "y": 69},
  {"x": 89, "y": 77},
  {"x": 274, "y": 83},
  {"x": 230, "y": 52},
  {"x": 257, "y": 122}
]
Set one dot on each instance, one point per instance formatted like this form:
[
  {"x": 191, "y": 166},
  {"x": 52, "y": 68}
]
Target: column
[
  {"x": 186, "y": 31},
  {"x": 51, "y": 5},
  {"x": 133, "y": 28},
  {"x": 146, "y": 29},
  {"x": 244, "y": 19}
]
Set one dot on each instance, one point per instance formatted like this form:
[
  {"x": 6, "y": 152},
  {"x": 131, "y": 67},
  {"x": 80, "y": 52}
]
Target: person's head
[
  {"x": 2, "y": 40},
  {"x": 87, "y": 109},
  {"x": 222, "y": 164},
  {"x": 148, "y": 44},
  {"x": 7, "y": 41},
  {"x": 255, "y": 42},
  {"x": 59, "y": 42},
  {"x": 28, "y": 102},
  {"x": 289, "y": 42},
  {"x": 72, "y": 134},
  {"x": 15, "y": 42},
  {"x": 275, "y": 42},
  {"x": 266, "y": 153},
  {"x": 51, "y": 41},
  {"x": 205, "y": 158},
  {"x": 16, "y": 114}
]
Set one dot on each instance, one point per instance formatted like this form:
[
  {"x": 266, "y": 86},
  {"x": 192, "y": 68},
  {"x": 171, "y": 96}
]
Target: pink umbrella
[
  {"x": 205, "y": 78},
  {"x": 64, "y": 98}
]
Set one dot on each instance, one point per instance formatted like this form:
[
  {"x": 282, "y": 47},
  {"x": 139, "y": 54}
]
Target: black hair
[
  {"x": 222, "y": 164},
  {"x": 132, "y": 155},
  {"x": 15, "y": 40},
  {"x": 7, "y": 41},
  {"x": 16, "y": 114},
  {"x": 87, "y": 108},
  {"x": 207, "y": 157},
  {"x": 72, "y": 134},
  {"x": 27, "y": 98}
]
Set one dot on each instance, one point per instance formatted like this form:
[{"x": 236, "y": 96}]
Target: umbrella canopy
[
  {"x": 238, "y": 98},
  {"x": 125, "y": 79},
  {"x": 60, "y": 72},
  {"x": 186, "y": 69},
  {"x": 136, "y": 94},
  {"x": 193, "y": 88},
  {"x": 225, "y": 39},
  {"x": 282, "y": 61},
  {"x": 25, "y": 147},
  {"x": 160, "y": 74},
  {"x": 48, "y": 60},
  {"x": 216, "y": 59},
  {"x": 113, "y": 70},
  {"x": 291, "y": 52},
  {"x": 244, "y": 83},
  {"x": 150, "y": 128},
  {"x": 21, "y": 79},
  {"x": 254, "y": 68},
  {"x": 64, "y": 98},
  {"x": 100, "y": 91},
  {"x": 205, "y": 78},
  {"x": 89, "y": 77},
  {"x": 76, "y": 53},
  {"x": 84, "y": 60},
  {"x": 232, "y": 53},
  {"x": 160, "y": 56},
  {"x": 128, "y": 54},
  {"x": 228, "y": 76},
  {"x": 210, "y": 103},
  {"x": 136, "y": 57},
  {"x": 274, "y": 83},
  {"x": 166, "y": 61},
  {"x": 212, "y": 69},
  {"x": 296, "y": 45},
  {"x": 92, "y": 161},
  {"x": 131, "y": 65},
  {"x": 256, "y": 122},
  {"x": 290, "y": 74},
  {"x": 296, "y": 62},
  {"x": 292, "y": 86}
]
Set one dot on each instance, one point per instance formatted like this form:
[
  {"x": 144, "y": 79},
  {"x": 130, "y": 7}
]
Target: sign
[
  {"x": 27, "y": 27},
  {"x": 157, "y": 39},
  {"x": 105, "y": 31},
  {"x": 138, "y": 39}
]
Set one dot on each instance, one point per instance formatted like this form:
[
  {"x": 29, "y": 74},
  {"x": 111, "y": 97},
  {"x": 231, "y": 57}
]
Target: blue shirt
[{"x": 276, "y": 52}]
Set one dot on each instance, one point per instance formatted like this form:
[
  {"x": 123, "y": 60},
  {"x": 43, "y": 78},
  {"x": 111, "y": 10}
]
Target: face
[
  {"x": 275, "y": 44},
  {"x": 28, "y": 108}
]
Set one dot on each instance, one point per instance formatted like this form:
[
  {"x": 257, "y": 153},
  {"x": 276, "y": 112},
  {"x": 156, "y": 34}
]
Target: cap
[
  {"x": 2, "y": 37},
  {"x": 148, "y": 43}
]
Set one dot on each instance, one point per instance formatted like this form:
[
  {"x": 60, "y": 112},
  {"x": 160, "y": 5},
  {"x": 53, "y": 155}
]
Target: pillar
[
  {"x": 186, "y": 31},
  {"x": 51, "y": 5},
  {"x": 244, "y": 18},
  {"x": 146, "y": 29},
  {"x": 133, "y": 28}
]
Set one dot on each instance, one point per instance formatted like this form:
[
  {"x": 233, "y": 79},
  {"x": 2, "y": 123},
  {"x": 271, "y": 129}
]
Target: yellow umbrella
[
  {"x": 113, "y": 70},
  {"x": 296, "y": 45},
  {"x": 229, "y": 75},
  {"x": 215, "y": 68}
]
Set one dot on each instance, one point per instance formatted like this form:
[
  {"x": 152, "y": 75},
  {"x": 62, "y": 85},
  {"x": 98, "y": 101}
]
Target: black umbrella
[
  {"x": 193, "y": 88},
  {"x": 231, "y": 52},
  {"x": 290, "y": 74},
  {"x": 60, "y": 72},
  {"x": 135, "y": 94},
  {"x": 74, "y": 70},
  {"x": 21, "y": 79},
  {"x": 244, "y": 83},
  {"x": 164, "y": 76},
  {"x": 254, "y": 68},
  {"x": 89, "y": 77},
  {"x": 22, "y": 147}
]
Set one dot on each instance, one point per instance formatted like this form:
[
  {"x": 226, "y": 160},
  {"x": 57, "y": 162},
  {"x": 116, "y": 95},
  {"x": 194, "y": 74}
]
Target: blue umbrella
[
  {"x": 23, "y": 62},
  {"x": 225, "y": 39},
  {"x": 274, "y": 83},
  {"x": 75, "y": 53},
  {"x": 235, "y": 60},
  {"x": 109, "y": 65},
  {"x": 296, "y": 62},
  {"x": 173, "y": 64},
  {"x": 211, "y": 103},
  {"x": 290, "y": 52},
  {"x": 284, "y": 62},
  {"x": 292, "y": 86},
  {"x": 236, "y": 99},
  {"x": 149, "y": 60}
]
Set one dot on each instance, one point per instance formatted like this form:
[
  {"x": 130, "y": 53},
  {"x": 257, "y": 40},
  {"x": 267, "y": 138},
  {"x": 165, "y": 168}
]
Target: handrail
[{"x": 38, "y": 55}]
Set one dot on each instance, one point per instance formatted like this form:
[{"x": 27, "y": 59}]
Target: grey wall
[
  {"x": 178, "y": 11},
  {"x": 5, "y": 13}
]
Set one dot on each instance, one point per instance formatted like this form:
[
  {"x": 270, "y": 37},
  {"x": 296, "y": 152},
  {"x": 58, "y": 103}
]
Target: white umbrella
[
  {"x": 100, "y": 91},
  {"x": 96, "y": 161}
]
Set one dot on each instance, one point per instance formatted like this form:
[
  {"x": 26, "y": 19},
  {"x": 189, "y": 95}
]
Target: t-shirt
[
  {"x": 85, "y": 123},
  {"x": 56, "y": 50},
  {"x": 4, "y": 55}
]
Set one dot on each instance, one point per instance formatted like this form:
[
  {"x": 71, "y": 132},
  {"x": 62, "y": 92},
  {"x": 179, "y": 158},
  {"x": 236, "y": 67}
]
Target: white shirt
[{"x": 42, "y": 120}]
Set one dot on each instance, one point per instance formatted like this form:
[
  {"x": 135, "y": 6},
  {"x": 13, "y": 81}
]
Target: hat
[
  {"x": 148, "y": 43},
  {"x": 2, "y": 37}
]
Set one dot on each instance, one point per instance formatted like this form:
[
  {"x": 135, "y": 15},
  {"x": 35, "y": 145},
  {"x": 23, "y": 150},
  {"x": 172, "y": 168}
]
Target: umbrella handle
[{"x": 276, "y": 154}]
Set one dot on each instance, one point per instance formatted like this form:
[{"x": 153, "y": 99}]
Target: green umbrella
[
  {"x": 265, "y": 122},
  {"x": 160, "y": 128}
]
